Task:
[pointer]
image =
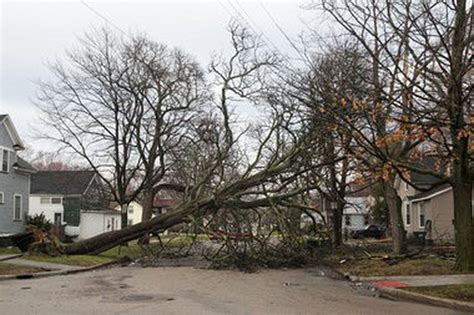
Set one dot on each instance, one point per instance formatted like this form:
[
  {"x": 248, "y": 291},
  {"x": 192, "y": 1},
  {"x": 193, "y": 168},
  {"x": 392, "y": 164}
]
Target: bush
[{"x": 40, "y": 221}]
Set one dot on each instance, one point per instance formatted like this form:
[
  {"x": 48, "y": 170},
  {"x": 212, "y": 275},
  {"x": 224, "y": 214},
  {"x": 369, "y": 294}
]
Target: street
[{"x": 187, "y": 290}]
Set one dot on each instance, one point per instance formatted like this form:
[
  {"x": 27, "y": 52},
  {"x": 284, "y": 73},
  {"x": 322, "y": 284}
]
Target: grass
[
  {"x": 9, "y": 250},
  {"x": 459, "y": 292},
  {"x": 9, "y": 269},
  {"x": 74, "y": 260},
  {"x": 133, "y": 251},
  {"x": 409, "y": 267}
]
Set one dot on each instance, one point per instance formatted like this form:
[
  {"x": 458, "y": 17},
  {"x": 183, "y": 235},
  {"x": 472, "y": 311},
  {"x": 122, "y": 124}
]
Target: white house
[
  {"x": 49, "y": 205},
  {"x": 356, "y": 212},
  {"x": 61, "y": 195},
  {"x": 95, "y": 222},
  {"x": 135, "y": 211}
]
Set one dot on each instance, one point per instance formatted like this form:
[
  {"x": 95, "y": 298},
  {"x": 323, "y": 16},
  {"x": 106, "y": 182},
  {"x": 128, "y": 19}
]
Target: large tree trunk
[
  {"x": 124, "y": 215},
  {"x": 394, "y": 205},
  {"x": 462, "y": 194},
  {"x": 337, "y": 224},
  {"x": 148, "y": 197},
  {"x": 105, "y": 241}
]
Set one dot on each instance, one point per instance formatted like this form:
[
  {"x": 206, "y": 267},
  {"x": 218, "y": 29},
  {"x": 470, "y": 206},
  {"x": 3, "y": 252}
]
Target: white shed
[{"x": 95, "y": 222}]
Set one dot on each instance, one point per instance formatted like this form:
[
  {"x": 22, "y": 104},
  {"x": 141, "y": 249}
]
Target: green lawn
[
  {"x": 75, "y": 260},
  {"x": 132, "y": 251},
  {"x": 408, "y": 267},
  {"x": 9, "y": 250},
  {"x": 460, "y": 292},
  {"x": 9, "y": 269}
]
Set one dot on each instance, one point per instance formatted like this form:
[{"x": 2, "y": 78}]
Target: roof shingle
[{"x": 61, "y": 182}]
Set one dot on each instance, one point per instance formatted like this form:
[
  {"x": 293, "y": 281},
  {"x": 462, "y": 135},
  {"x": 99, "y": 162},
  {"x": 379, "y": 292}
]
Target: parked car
[{"x": 373, "y": 231}]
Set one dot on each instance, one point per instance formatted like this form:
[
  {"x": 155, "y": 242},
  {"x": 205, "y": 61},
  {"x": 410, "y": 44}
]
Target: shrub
[{"x": 40, "y": 221}]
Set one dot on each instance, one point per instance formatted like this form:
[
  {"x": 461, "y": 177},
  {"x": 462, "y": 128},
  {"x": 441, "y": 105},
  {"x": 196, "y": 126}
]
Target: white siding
[
  {"x": 36, "y": 207},
  {"x": 97, "y": 222}
]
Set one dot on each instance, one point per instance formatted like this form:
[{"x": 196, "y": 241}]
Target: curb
[
  {"x": 398, "y": 294},
  {"x": 13, "y": 256},
  {"x": 393, "y": 293},
  {"x": 57, "y": 273}
]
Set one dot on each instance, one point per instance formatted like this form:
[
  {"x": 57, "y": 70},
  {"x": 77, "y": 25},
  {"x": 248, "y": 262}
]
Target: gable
[
  {"x": 8, "y": 135},
  {"x": 5, "y": 139}
]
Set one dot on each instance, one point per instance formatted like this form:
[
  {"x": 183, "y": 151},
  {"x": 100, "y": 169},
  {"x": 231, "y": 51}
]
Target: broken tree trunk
[
  {"x": 105, "y": 241},
  {"x": 394, "y": 205}
]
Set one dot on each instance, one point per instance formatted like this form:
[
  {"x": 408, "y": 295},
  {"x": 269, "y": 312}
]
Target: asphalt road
[{"x": 187, "y": 290}]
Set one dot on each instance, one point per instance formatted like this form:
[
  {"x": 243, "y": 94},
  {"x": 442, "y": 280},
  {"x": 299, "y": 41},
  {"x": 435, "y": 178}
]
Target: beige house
[{"x": 428, "y": 211}]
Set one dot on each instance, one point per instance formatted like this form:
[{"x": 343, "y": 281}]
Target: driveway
[{"x": 187, "y": 290}]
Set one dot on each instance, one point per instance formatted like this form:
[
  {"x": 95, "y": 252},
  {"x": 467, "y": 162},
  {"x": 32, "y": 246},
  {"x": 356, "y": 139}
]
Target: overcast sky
[{"x": 34, "y": 32}]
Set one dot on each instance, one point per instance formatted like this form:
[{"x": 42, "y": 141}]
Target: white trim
[
  {"x": 10, "y": 128},
  {"x": 405, "y": 214},
  {"x": 21, "y": 207},
  {"x": 2, "y": 150},
  {"x": 432, "y": 195},
  {"x": 419, "y": 215},
  {"x": 90, "y": 183},
  {"x": 7, "y": 148}
]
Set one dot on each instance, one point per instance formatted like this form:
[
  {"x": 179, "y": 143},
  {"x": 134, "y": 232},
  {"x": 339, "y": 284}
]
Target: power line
[
  {"x": 103, "y": 17},
  {"x": 285, "y": 35},
  {"x": 237, "y": 14},
  {"x": 256, "y": 26}
]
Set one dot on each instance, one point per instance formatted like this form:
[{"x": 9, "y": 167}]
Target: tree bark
[
  {"x": 124, "y": 216},
  {"x": 148, "y": 197},
  {"x": 463, "y": 224},
  {"x": 337, "y": 224},
  {"x": 105, "y": 241},
  {"x": 394, "y": 205}
]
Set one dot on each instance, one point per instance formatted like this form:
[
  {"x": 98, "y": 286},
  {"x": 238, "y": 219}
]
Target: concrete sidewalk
[
  {"x": 43, "y": 265},
  {"x": 392, "y": 287},
  {"x": 420, "y": 281}
]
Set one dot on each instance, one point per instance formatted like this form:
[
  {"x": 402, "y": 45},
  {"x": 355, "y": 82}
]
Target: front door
[{"x": 57, "y": 218}]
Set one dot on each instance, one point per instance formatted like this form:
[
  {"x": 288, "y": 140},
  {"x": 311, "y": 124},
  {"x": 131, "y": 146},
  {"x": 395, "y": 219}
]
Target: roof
[
  {"x": 430, "y": 193},
  {"x": 61, "y": 182},
  {"x": 17, "y": 143},
  {"x": 24, "y": 166},
  {"x": 429, "y": 163},
  {"x": 162, "y": 203},
  {"x": 102, "y": 211}
]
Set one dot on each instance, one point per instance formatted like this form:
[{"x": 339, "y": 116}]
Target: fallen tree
[{"x": 218, "y": 164}]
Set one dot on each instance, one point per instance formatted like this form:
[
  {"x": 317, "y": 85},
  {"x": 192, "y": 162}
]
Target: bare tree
[
  {"x": 89, "y": 113},
  {"x": 424, "y": 49},
  {"x": 219, "y": 172}
]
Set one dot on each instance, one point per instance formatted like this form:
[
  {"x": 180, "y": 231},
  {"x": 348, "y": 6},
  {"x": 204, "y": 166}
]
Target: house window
[
  {"x": 130, "y": 222},
  {"x": 347, "y": 219},
  {"x": 45, "y": 200},
  {"x": 421, "y": 211},
  {"x": 56, "y": 200},
  {"x": 2, "y": 198},
  {"x": 408, "y": 214},
  {"x": 130, "y": 209},
  {"x": 17, "y": 207},
  {"x": 5, "y": 158}
]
